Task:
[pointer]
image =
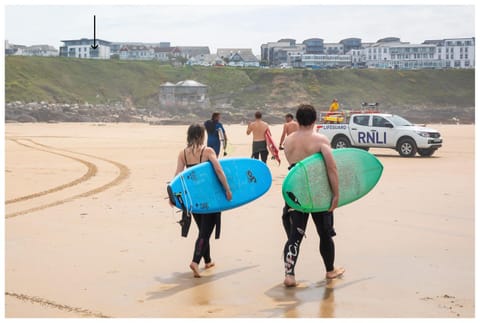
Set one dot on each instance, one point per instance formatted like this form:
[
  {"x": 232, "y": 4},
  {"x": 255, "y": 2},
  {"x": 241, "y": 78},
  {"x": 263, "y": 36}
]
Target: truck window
[
  {"x": 361, "y": 120},
  {"x": 381, "y": 122}
]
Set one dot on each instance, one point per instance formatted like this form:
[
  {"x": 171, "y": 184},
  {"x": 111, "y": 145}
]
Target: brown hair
[
  {"x": 195, "y": 135},
  {"x": 215, "y": 115}
]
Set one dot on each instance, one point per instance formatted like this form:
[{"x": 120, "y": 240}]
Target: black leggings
[
  {"x": 295, "y": 224},
  {"x": 205, "y": 223}
]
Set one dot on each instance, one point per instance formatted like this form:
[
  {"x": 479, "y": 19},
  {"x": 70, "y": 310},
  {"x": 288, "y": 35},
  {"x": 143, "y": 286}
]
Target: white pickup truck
[{"x": 379, "y": 130}]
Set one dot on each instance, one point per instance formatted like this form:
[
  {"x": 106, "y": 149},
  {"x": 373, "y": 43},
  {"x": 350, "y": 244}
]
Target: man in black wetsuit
[{"x": 299, "y": 145}]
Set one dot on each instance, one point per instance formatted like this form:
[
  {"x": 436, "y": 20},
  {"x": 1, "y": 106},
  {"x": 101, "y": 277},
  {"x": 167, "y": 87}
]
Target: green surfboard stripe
[{"x": 306, "y": 187}]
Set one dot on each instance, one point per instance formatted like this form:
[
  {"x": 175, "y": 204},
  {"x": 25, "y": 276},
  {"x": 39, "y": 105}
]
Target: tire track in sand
[
  {"x": 124, "y": 173},
  {"x": 92, "y": 170},
  {"x": 45, "y": 302}
]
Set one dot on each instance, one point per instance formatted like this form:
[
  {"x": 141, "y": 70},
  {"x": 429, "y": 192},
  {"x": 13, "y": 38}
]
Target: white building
[
  {"x": 432, "y": 54},
  {"x": 137, "y": 52},
  {"x": 82, "y": 48},
  {"x": 457, "y": 52},
  {"x": 40, "y": 50},
  {"x": 206, "y": 60},
  {"x": 358, "y": 57},
  {"x": 326, "y": 61},
  {"x": 398, "y": 55}
]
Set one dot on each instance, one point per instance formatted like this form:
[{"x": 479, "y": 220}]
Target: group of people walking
[{"x": 299, "y": 140}]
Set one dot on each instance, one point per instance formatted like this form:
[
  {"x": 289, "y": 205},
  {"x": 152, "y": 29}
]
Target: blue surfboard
[{"x": 198, "y": 190}]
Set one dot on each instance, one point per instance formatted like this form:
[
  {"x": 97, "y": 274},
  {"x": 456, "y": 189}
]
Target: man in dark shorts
[
  {"x": 299, "y": 145},
  {"x": 258, "y": 128}
]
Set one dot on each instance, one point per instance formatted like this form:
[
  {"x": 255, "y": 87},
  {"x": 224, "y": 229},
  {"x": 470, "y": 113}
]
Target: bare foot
[
  {"x": 335, "y": 273},
  {"x": 194, "y": 268},
  {"x": 209, "y": 265},
  {"x": 290, "y": 281}
]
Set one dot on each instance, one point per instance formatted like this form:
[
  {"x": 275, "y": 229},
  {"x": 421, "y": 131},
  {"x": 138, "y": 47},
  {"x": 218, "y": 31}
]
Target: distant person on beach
[
  {"x": 213, "y": 126},
  {"x": 289, "y": 126},
  {"x": 196, "y": 152},
  {"x": 258, "y": 128},
  {"x": 299, "y": 145}
]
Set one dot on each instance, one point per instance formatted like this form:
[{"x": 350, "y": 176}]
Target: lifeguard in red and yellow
[
  {"x": 332, "y": 115},
  {"x": 333, "y": 106}
]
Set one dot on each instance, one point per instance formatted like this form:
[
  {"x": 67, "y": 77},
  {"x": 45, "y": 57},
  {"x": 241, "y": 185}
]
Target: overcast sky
[{"x": 244, "y": 26}]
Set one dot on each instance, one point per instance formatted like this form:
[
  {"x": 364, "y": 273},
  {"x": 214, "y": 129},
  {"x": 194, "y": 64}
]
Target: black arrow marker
[{"x": 95, "y": 45}]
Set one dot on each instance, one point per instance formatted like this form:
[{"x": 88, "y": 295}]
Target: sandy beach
[{"x": 89, "y": 233}]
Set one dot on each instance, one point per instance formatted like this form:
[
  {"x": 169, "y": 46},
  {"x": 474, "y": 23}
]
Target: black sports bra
[{"x": 190, "y": 165}]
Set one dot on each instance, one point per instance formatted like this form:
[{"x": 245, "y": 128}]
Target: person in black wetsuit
[
  {"x": 196, "y": 152},
  {"x": 213, "y": 126},
  {"x": 299, "y": 145}
]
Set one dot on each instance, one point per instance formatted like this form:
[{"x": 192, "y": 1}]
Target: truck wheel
[
  {"x": 427, "y": 152},
  {"x": 407, "y": 147},
  {"x": 340, "y": 142}
]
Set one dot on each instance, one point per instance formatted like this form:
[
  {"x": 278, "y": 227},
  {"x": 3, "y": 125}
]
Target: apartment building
[
  {"x": 82, "y": 48},
  {"x": 455, "y": 52},
  {"x": 431, "y": 54},
  {"x": 277, "y": 53}
]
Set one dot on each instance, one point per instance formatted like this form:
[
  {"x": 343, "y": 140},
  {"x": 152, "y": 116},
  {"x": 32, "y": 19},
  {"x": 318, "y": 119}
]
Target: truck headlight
[{"x": 423, "y": 134}]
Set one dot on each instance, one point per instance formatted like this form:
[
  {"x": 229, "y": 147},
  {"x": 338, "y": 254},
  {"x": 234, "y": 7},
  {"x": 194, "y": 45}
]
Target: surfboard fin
[{"x": 293, "y": 198}]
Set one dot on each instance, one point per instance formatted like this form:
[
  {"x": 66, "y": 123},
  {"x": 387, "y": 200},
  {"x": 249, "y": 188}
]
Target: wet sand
[{"x": 89, "y": 233}]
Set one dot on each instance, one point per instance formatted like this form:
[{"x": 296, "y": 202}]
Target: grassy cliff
[{"x": 67, "y": 80}]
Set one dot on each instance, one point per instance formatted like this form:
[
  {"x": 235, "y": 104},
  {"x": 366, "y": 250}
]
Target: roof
[
  {"x": 163, "y": 49},
  {"x": 194, "y": 50},
  {"x": 134, "y": 47},
  {"x": 227, "y": 52},
  {"x": 246, "y": 57},
  {"x": 190, "y": 83}
]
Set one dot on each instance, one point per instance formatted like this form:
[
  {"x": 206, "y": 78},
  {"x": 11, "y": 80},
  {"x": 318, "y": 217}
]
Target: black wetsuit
[
  {"x": 206, "y": 223},
  {"x": 295, "y": 224}
]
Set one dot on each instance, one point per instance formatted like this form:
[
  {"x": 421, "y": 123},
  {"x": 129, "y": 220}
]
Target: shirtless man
[
  {"x": 299, "y": 145},
  {"x": 257, "y": 128},
  {"x": 289, "y": 126}
]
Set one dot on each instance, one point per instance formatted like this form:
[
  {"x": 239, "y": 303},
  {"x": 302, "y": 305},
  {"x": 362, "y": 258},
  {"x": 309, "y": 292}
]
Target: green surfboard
[{"x": 306, "y": 187}]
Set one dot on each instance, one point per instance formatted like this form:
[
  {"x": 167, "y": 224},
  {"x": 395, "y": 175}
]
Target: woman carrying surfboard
[
  {"x": 196, "y": 152},
  {"x": 297, "y": 146}
]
